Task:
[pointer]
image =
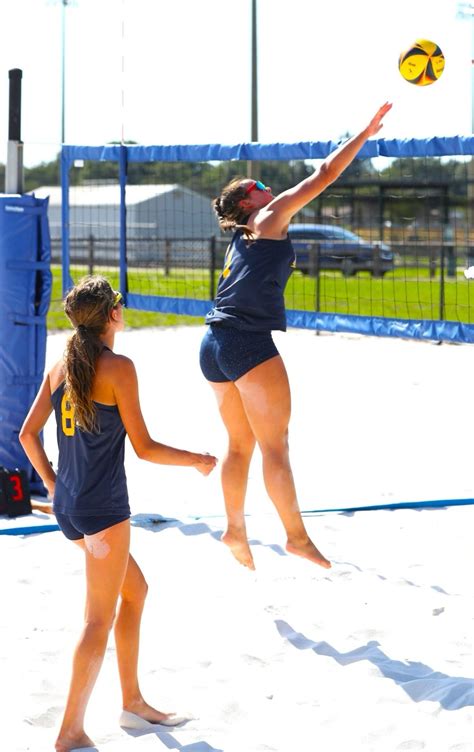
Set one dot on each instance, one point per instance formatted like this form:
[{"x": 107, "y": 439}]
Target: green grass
[
  {"x": 134, "y": 319},
  {"x": 404, "y": 293}
]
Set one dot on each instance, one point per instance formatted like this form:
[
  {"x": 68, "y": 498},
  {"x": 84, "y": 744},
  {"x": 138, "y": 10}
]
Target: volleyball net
[{"x": 381, "y": 251}]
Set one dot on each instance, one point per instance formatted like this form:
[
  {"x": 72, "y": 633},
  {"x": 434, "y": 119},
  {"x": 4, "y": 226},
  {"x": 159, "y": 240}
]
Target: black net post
[{"x": 14, "y": 180}]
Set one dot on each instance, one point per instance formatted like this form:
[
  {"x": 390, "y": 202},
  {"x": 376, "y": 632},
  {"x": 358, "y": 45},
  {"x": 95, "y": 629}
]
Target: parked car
[{"x": 320, "y": 247}]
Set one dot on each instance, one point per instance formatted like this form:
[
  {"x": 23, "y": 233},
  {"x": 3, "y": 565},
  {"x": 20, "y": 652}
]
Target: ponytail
[
  {"x": 88, "y": 306},
  {"x": 82, "y": 350}
]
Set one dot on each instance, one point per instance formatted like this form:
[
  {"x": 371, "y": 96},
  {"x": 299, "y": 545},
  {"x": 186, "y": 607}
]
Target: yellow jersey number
[
  {"x": 227, "y": 262},
  {"x": 67, "y": 416}
]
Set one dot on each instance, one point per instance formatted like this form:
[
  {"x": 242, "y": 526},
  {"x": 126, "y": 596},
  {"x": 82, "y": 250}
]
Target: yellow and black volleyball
[{"x": 422, "y": 63}]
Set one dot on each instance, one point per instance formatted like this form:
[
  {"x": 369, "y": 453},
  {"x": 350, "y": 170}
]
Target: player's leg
[
  {"x": 266, "y": 398},
  {"x": 235, "y": 468},
  {"x": 127, "y": 639},
  {"x": 106, "y": 554}
]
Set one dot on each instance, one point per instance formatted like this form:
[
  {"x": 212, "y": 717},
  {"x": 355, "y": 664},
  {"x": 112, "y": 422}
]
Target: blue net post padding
[{"x": 25, "y": 292}]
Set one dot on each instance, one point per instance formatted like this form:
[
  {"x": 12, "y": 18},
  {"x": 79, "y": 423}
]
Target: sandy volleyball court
[{"x": 374, "y": 655}]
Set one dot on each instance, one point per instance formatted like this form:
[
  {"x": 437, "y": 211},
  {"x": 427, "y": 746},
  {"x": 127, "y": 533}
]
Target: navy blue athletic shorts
[
  {"x": 227, "y": 353},
  {"x": 76, "y": 526}
]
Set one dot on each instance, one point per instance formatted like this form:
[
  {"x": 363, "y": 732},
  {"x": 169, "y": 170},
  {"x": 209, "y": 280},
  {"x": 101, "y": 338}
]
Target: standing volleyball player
[
  {"x": 94, "y": 394},
  {"x": 238, "y": 356}
]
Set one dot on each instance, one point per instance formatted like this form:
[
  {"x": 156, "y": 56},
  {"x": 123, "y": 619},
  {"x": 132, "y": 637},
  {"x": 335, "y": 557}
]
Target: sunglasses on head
[
  {"x": 255, "y": 185},
  {"x": 118, "y": 300}
]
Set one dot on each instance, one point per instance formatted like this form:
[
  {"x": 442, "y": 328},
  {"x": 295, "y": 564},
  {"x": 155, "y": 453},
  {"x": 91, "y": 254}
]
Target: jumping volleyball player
[
  {"x": 238, "y": 356},
  {"x": 94, "y": 394}
]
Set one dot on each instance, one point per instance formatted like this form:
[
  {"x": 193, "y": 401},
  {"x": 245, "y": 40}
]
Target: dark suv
[{"x": 320, "y": 247}]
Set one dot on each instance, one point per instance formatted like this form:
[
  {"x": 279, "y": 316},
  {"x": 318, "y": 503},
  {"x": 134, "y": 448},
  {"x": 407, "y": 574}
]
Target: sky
[{"x": 159, "y": 72}]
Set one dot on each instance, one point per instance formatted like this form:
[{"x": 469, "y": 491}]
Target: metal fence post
[
  {"x": 212, "y": 268},
  {"x": 317, "y": 286},
  {"x": 167, "y": 256},
  {"x": 441, "y": 283},
  {"x": 90, "y": 253},
  {"x": 377, "y": 265}
]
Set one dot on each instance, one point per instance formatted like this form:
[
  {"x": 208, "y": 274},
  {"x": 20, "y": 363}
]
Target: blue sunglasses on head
[{"x": 255, "y": 185}]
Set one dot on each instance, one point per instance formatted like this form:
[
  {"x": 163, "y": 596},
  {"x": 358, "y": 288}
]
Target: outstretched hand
[
  {"x": 376, "y": 124},
  {"x": 205, "y": 463}
]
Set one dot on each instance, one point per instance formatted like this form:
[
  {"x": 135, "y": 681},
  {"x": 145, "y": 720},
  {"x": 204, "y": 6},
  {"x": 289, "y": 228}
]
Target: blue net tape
[{"x": 409, "y": 147}]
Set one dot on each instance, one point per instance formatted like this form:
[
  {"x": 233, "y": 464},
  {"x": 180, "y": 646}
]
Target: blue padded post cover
[{"x": 25, "y": 292}]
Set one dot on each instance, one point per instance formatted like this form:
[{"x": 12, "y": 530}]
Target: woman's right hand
[
  {"x": 376, "y": 124},
  {"x": 205, "y": 463}
]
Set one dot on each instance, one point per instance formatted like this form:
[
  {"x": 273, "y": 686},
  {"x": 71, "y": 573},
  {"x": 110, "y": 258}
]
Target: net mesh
[{"x": 389, "y": 239}]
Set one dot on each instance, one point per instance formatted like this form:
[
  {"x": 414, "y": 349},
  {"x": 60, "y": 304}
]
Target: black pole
[
  {"x": 14, "y": 114},
  {"x": 14, "y": 166}
]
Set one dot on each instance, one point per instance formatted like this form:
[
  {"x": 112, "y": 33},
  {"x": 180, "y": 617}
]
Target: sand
[{"x": 373, "y": 655}]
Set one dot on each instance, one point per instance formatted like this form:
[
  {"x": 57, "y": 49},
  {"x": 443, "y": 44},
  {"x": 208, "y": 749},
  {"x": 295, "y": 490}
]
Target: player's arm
[
  {"x": 34, "y": 423},
  {"x": 280, "y": 211},
  {"x": 125, "y": 387}
]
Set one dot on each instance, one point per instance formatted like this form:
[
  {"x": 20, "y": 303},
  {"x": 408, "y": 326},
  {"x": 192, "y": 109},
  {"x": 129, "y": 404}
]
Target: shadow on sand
[
  {"x": 419, "y": 681},
  {"x": 171, "y": 742},
  {"x": 155, "y": 523}
]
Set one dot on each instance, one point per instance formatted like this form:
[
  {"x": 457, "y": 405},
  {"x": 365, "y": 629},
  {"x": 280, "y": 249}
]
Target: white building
[{"x": 153, "y": 211}]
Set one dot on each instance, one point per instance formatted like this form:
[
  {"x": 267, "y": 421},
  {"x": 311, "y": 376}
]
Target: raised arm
[
  {"x": 276, "y": 216},
  {"x": 125, "y": 387}
]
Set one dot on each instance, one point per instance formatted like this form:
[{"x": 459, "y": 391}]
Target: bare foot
[
  {"x": 308, "y": 550},
  {"x": 147, "y": 712},
  {"x": 66, "y": 742},
  {"x": 240, "y": 548}
]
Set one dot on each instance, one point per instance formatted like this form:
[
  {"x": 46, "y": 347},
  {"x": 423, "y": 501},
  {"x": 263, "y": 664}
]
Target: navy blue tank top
[
  {"x": 250, "y": 292},
  {"x": 91, "y": 476}
]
